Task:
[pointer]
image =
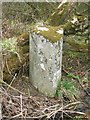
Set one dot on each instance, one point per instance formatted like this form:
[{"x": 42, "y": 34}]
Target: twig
[
  {"x": 1, "y": 81},
  {"x": 0, "y": 106},
  {"x": 17, "y": 115},
  {"x": 34, "y": 101},
  {"x": 76, "y": 112},
  {"x": 18, "y": 57},
  {"x": 51, "y": 108},
  {"x": 8, "y": 68},
  {"x": 21, "y": 104},
  {"x": 74, "y": 103},
  {"x": 12, "y": 81},
  {"x": 67, "y": 114},
  {"x": 62, "y": 108}
]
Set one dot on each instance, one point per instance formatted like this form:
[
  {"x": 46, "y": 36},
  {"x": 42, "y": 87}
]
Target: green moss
[
  {"x": 51, "y": 34},
  {"x": 59, "y": 16},
  {"x": 68, "y": 26},
  {"x": 78, "y": 46}
]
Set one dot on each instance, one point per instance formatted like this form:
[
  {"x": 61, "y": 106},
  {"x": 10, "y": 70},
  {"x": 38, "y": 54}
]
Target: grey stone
[{"x": 45, "y": 63}]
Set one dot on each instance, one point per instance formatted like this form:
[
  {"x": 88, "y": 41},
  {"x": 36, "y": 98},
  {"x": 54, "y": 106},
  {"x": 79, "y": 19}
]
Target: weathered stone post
[{"x": 46, "y": 58}]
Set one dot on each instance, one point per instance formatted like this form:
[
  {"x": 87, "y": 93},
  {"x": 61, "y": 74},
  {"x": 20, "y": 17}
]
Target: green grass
[{"x": 67, "y": 87}]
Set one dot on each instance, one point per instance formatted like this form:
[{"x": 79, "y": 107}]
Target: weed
[
  {"x": 9, "y": 45},
  {"x": 67, "y": 88}
]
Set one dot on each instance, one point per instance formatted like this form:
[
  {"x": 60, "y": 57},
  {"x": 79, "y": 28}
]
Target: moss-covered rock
[
  {"x": 17, "y": 62},
  {"x": 53, "y": 34},
  {"x": 77, "y": 46}
]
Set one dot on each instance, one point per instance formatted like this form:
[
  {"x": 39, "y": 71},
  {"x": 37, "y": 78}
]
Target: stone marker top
[{"x": 53, "y": 34}]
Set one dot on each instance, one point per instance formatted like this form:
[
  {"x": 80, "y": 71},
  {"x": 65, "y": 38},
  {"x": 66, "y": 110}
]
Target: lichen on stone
[{"x": 53, "y": 34}]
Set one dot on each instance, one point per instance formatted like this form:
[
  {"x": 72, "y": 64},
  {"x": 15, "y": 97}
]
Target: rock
[{"x": 45, "y": 59}]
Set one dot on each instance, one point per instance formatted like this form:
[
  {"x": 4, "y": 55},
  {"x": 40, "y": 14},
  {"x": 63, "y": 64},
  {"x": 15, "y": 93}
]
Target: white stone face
[
  {"x": 42, "y": 66},
  {"x": 45, "y": 63},
  {"x": 42, "y": 28}
]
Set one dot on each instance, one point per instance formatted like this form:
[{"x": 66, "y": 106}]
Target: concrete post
[{"x": 46, "y": 58}]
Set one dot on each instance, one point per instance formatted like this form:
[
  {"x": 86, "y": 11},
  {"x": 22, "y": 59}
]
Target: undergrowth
[{"x": 67, "y": 87}]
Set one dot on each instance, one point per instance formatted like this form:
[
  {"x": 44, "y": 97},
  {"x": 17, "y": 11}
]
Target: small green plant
[
  {"x": 9, "y": 45},
  {"x": 67, "y": 87},
  {"x": 58, "y": 90}
]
